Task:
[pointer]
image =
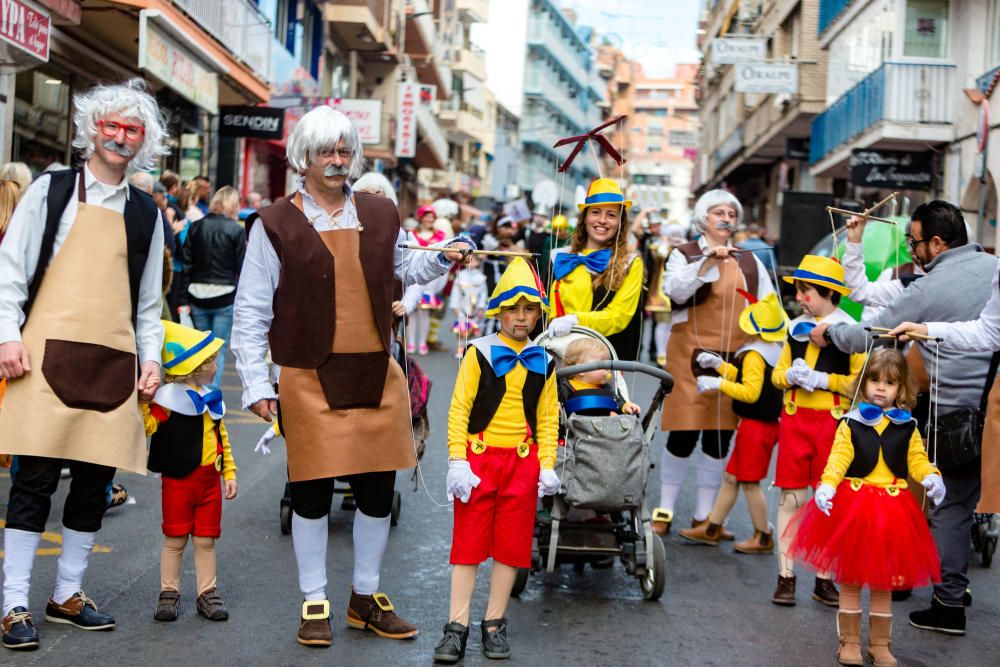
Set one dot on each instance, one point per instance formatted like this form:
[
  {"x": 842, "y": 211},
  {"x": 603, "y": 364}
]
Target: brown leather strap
[{"x": 81, "y": 191}]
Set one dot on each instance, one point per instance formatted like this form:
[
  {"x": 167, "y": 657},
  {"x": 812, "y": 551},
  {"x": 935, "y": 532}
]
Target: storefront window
[
  {"x": 41, "y": 118},
  {"x": 926, "y": 31}
]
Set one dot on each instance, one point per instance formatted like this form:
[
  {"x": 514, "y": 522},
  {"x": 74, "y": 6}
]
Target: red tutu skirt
[{"x": 871, "y": 538}]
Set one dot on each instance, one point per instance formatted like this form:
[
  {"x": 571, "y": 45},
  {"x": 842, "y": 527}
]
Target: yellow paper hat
[
  {"x": 822, "y": 271},
  {"x": 560, "y": 222},
  {"x": 184, "y": 348},
  {"x": 765, "y": 318},
  {"x": 604, "y": 191},
  {"x": 517, "y": 282}
]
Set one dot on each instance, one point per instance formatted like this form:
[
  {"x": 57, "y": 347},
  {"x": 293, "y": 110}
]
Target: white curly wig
[
  {"x": 130, "y": 100},
  {"x": 375, "y": 181},
  {"x": 320, "y": 129},
  {"x": 710, "y": 200}
]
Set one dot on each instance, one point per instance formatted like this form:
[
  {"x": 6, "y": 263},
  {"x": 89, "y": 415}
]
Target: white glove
[
  {"x": 708, "y": 383},
  {"x": 813, "y": 380},
  {"x": 935, "y": 488},
  {"x": 460, "y": 481},
  {"x": 265, "y": 440},
  {"x": 548, "y": 483},
  {"x": 709, "y": 360},
  {"x": 824, "y": 498},
  {"x": 562, "y": 325},
  {"x": 795, "y": 372}
]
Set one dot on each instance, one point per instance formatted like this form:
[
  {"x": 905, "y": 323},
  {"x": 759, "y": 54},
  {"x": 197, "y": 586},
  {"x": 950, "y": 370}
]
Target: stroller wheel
[
  {"x": 286, "y": 519},
  {"x": 397, "y": 503},
  {"x": 520, "y": 581},
  {"x": 989, "y": 548},
  {"x": 654, "y": 580}
]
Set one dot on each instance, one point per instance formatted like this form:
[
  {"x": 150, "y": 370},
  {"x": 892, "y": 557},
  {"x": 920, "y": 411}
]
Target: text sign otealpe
[
  {"x": 766, "y": 78},
  {"x": 25, "y": 28},
  {"x": 896, "y": 170},
  {"x": 257, "y": 122},
  {"x": 737, "y": 50}
]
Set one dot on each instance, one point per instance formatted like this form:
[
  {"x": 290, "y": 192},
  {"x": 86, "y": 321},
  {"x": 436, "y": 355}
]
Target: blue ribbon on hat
[
  {"x": 872, "y": 414},
  {"x": 565, "y": 262},
  {"x": 760, "y": 329},
  {"x": 212, "y": 401},
  {"x": 505, "y": 359},
  {"x": 802, "y": 330}
]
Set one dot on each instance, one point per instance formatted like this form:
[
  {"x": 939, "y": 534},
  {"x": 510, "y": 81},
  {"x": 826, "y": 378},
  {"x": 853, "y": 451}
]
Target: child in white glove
[{"x": 864, "y": 527}]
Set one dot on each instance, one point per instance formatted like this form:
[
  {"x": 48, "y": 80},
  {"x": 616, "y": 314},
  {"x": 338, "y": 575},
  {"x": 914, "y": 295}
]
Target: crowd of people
[{"x": 309, "y": 291}]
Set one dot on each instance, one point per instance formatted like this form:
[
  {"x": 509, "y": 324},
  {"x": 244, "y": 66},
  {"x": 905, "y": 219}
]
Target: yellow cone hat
[
  {"x": 517, "y": 282},
  {"x": 766, "y": 319},
  {"x": 823, "y": 271},
  {"x": 184, "y": 348}
]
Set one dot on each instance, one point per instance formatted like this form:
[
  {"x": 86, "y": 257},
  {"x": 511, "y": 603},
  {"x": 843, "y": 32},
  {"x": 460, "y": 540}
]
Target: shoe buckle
[
  {"x": 315, "y": 610},
  {"x": 382, "y": 601},
  {"x": 660, "y": 514}
]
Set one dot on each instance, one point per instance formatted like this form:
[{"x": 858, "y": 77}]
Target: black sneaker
[
  {"x": 945, "y": 618},
  {"x": 18, "y": 630},
  {"x": 451, "y": 648},
  {"x": 495, "y": 644},
  {"x": 80, "y": 611},
  {"x": 967, "y": 598},
  {"x": 167, "y": 605}
]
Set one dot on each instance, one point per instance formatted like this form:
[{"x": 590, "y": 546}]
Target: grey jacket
[{"x": 956, "y": 288}]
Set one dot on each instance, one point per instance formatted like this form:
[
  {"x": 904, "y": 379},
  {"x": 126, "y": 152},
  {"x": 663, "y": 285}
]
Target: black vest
[
  {"x": 830, "y": 359},
  {"x": 626, "y": 342},
  {"x": 894, "y": 444},
  {"x": 768, "y": 405},
  {"x": 175, "y": 449},
  {"x": 491, "y": 391}
]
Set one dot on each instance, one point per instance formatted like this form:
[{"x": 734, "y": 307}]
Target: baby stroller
[
  {"x": 603, "y": 467},
  {"x": 985, "y": 532}
]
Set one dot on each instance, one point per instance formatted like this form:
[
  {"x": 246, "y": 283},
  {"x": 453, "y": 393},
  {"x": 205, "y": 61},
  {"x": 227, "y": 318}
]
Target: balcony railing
[
  {"x": 239, "y": 25},
  {"x": 829, "y": 10},
  {"x": 914, "y": 93},
  {"x": 541, "y": 81},
  {"x": 543, "y": 35}
]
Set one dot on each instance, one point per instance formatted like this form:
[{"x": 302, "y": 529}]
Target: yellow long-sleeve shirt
[
  {"x": 208, "y": 448},
  {"x": 842, "y": 453},
  {"x": 576, "y": 292},
  {"x": 507, "y": 428},
  {"x": 751, "y": 382},
  {"x": 821, "y": 399}
]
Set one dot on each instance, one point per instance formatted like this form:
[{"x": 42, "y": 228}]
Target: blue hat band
[
  {"x": 761, "y": 329},
  {"x": 605, "y": 198},
  {"x": 191, "y": 351},
  {"x": 809, "y": 275},
  {"x": 514, "y": 291}
]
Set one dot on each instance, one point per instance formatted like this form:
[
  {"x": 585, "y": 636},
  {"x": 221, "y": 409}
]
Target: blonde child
[{"x": 591, "y": 393}]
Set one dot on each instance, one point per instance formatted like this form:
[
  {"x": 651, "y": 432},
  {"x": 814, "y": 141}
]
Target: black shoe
[
  {"x": 80, "y": 611},
  {"x": 945, "y": 618},
  {"x": 451, "y": 648},
  {"x": 495, "y": 644},
  {"x": 967, "y": 598},
  {"x": 899, "y": 596},
  {"x": 18, "y": 630},
  {"x": 824, "y": 591},
  {"x": 167, "y": 605}
]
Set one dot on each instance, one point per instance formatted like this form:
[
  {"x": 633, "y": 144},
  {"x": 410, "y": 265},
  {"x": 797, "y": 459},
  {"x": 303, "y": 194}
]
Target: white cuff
[
  {"x": 258, "y": 392},
  {"x": 938, "y": 329},
  {"x": 12, "y": 332}
]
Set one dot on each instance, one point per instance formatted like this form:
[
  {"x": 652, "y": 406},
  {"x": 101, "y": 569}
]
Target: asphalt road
[{"x": 716, "y": 609}]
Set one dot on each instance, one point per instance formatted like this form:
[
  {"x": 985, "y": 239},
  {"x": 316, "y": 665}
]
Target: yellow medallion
[
  {"x": 837, "y": 412},
  {"x": 790, "y": 408},
  {"x": 523, "y": 450},
  {"x": 218, "y": 463},
  {"x": 892, "y": 490},
  {"x": 478, "y": 447},
  {"x": 856, "y": 483}
]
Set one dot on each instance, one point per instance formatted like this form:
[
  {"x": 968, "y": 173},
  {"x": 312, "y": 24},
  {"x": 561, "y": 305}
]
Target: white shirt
[
  {"x": 873, "y": 295},
  {"x": 23, "y": 243},
  {"x": 982, "y": 335},
  {"x": 681, "y": 279},
  {"x": 253, "y": 311}
]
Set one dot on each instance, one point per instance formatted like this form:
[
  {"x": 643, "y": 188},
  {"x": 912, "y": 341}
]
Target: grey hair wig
[
  {"x": 320, "y": 129},
  {"x": 129, "y": 100},
  {"x": 375, "y": 181},
  {"x": 710, "y": 200}
]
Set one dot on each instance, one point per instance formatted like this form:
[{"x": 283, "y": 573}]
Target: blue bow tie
[
  {"x": 504, "y": 359},
  {"x": 873, "y": 414},
  {"x": 212, "y": 401},
  {"x": 565, "y": 262},
  {"x": 802, "y": 330}
]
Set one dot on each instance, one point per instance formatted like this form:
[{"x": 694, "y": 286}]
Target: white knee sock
[
  {"x": 709, "y": 480},
  {"x": 19, "y": 555},
  {"x": 76, "y": 548},
  {"x": 673, "y": 471},
  {"x": 309, "y": 537},
  {"x": 371, "y": 536},
  {"x": 661, "y": 334}
]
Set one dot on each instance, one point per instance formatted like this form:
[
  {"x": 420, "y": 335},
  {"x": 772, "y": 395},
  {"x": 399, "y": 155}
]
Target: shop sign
[
  {"x": 176, "y": 67},
  {"x": 256, "y": 122},
  {"x": 406, "y": 119},
  {"x": 25, "y": 28},
  {"x": 766, "y": 78},
  {"x": 365, "y": 116},
  {"x": 683, "y": 138},
  {"x": 737, "y": 50},
  {"x": 796, "y": 148},
  {"x": 728, "y": 148},
  {"x": 895, "y": 170}
]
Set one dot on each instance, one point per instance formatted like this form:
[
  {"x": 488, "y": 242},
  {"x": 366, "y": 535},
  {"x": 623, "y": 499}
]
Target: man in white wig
[
  {"x": 317, "y": 285},
  {"x": 80, "y": 280}
]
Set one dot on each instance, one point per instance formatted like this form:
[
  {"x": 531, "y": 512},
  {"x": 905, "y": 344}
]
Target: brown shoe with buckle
[
  {"x": 760, "y": 543},
  {"x": 314, "y": 627},
  {"x": 376, "y": 613},
  {"x": 703, "y": 532},
  {"x": 661, "y": 520},
  {"x": 784, "y": 593},
  {"x": 824, "y": 591}
]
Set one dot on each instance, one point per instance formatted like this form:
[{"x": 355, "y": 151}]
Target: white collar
[
  {"x": 174, "y": 396},
  {"x": 89, "y": 181},
  {"x": 836, "y": 317},
  {"x": 703, "y": 243},
  {"x": 770, "y": 351}
]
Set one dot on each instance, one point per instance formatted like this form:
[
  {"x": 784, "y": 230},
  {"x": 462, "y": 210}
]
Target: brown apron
[
  {"x": 712, "y": 325},
  {"x": 323, "y": 442},
  {"x": 989, "y": 498},
  {"x": 79, "y": 400}
]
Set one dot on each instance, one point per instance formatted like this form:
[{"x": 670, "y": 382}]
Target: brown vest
[
  {"x": 301, "y": 333},
  {"x": 746, "y": 263}
]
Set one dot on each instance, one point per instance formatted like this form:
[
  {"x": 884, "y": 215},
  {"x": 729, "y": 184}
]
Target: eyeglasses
[
  {"x": 913, "y": 243},
  {"x": 111, "y": 128},
  {"x": 327, "y": 153}
]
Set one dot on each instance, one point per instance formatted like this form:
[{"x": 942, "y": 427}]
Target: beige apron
[
  {"x": 79, "y": 400},
  {"x": 711, "y": 325},
  {"x": 322, "y": 442},
  {"x": 989, "y": 499}
]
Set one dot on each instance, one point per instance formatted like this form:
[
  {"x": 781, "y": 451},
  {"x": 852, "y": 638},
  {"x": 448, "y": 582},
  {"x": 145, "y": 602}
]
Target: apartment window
[
  {"x": 654, "y": 130},
  {"x": 312, "y": 40},
  {"x": 653, "y": 148},
  {"x": 926, "y": 32},
  {"x": 282, "y": 21}
]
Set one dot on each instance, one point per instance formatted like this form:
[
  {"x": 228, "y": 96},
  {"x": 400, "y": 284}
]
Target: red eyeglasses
[{"x": 111, "y": 128}]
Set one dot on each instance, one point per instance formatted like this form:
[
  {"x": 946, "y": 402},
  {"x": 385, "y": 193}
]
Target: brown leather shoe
[
  {"x": 880, "y": 640},
  {"x": 849, "y": 634},
  {"x": 314, "y": 626},
  {"x": 703, "y": 532},
  {"x": 784, "y": 593},
  {"x": 760, "y": 543},
  {"x": 824, "y": 591},
  {"x": 724, "y": 534},
  {"x": 376, "y": 613},
  {"x": 661, "y": 520},
  {"x": 211, "y": 606},
  {"x": 168, "y": 605}
]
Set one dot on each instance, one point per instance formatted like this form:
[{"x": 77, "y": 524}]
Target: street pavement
[{"x": 716, "y": 609}]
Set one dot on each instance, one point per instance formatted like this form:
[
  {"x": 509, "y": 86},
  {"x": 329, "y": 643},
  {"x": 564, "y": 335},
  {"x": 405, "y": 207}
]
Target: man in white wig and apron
[
  {"x": 317, "y": 287},
  {"x": 80, "y": 339}
]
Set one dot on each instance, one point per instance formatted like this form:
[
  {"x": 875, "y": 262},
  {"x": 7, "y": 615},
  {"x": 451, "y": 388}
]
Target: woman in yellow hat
[{"x": 598, "y": 280}]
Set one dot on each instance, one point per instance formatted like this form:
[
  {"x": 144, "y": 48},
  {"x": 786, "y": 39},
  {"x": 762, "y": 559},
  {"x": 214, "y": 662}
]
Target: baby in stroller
[{"x": 592, "y": 393}]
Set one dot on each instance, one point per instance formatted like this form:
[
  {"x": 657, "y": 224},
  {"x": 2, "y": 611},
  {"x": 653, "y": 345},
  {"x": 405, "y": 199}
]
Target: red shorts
[
  {"x": 499, "y": 519},
  {"x": 804, "y": 443},
  {"x": 193, "y": 505},
  {"x": 751, "y": 455}
]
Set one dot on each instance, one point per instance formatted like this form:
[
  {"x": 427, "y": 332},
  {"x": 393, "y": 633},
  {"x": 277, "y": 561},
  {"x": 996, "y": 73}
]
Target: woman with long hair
[{"x": 10, "y": 194}]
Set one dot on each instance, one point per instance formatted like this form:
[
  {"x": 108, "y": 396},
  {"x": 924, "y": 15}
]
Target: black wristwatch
[{"x": 826, "y": 335}]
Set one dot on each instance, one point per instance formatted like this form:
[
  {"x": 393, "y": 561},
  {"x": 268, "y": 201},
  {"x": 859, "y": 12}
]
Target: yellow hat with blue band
[
  {"x": 823, "y": 271},
  {"x": 517, "y": 282},
  {"x": 604, "y": 191},
  {"x": 765, "y": 318},
  {"x": 184, "y": 348}
]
